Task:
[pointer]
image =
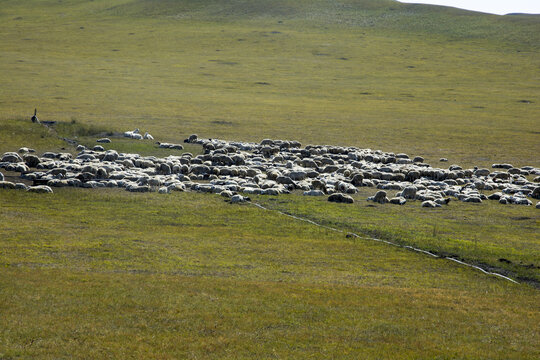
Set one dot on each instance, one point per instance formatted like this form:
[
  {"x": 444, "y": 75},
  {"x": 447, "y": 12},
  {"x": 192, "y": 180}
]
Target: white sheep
[{"x": 41, "y": 189}]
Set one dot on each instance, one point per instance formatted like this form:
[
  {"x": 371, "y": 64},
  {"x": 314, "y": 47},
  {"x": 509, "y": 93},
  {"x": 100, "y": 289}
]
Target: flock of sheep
[{"x": 273, "y": 167}]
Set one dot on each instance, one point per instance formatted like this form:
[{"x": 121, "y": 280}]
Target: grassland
[
  {"x": 503, "y": 238},
  {"x": 110, "y": 274},
  {"x": 431, "y": 82}
]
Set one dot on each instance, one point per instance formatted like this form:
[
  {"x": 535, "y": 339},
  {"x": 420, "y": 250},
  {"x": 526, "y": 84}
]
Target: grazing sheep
[
  {"x": 357, "y": 179},
  {"x": 409, "y": 192},
  {"x": 110, "y": 155},
  {"x": 154, "y": 182},
  {"x": 380, "y": 197},
  {"x": 344, "y": 187},
  {"x": 31, "y": 160},
  {"x": 58, "y": 172},
  {"x": 104, "y": 140},
  {"x": 442, "y": 201}
]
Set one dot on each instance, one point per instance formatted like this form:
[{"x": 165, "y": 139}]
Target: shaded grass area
[
  {"x": 400, "y": 80},
  {"x": 188, "y": 275},
  {"x": 506, "y": 238},
  {"x": 74, "y": 129},
  {"x": 21, "y": 132}
]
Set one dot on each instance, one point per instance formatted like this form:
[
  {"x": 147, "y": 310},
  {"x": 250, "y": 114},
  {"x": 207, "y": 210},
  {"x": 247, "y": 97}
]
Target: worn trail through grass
[{"x": 389, "y": 243}]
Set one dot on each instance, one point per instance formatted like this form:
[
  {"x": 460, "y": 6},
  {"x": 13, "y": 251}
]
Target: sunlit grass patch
[{"x": 190, "y": 274}]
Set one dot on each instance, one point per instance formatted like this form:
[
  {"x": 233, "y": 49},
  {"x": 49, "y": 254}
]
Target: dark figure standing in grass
[{"x": 35, "y": 118}]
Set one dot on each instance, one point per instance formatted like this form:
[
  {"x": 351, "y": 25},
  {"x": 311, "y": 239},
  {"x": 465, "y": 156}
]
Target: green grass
[
  {"x": 144, "y": 147},
  {"x": 108, "y": 273},
  {"x": 188, "y": 275},
  {"x": 482, "y": 234},
  {"x": 22, "y": 133},
  {"x": 74, "y": 130},
  {"x": 411, "y": 82}
]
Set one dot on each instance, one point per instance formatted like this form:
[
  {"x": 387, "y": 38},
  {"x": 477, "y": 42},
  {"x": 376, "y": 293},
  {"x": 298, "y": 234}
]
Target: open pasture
[
  {"x": 425, "y": 81},
  {"x": 110, "y": 274}
]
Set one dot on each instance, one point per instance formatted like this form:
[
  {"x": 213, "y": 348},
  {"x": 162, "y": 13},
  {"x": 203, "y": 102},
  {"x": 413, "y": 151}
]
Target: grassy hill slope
[
  {"x": 426, "y": 80},
  {"x": 108, "y": 273}
]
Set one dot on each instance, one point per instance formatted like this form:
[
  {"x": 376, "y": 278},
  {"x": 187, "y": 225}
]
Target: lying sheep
[
  {"x": 133, "y": 134},
  {"x": 313, "y": 193},
  {"x": 11, "y": 157},
  {"x": 275, "y": 167},
  {"x": 170, "y": 146},
  {"x": 40, "y": 189},
  {"x": 430, "y": 204},
  {"x": 398, "y": 200},
  {"x": 341, "y": 198},
  {"x": 235, "y": 199},
  {"x": 7, "y": 185}
]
